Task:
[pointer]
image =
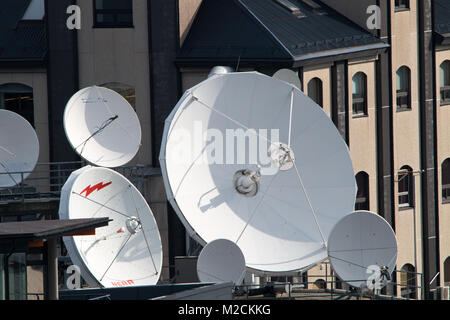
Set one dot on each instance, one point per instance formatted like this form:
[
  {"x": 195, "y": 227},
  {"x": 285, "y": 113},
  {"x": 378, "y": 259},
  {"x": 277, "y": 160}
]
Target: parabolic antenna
[
  {"x": 288, "y": 76},
  {"x": 360, "y": 246},
  {"x": 19, "y": 148},
  {"x": 102, "y": 127},
  {"x": 221, "y": 260},
  {"x": 128, "y": 251},
  {"x": 251, "y": 159}
]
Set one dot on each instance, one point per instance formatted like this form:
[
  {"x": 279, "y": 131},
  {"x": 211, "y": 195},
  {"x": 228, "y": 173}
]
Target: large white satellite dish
[
  {"x": 128, "y": 251},
  {"x": 221, "y": 260},
  {"x": 359, "y": 245},
  {"x": 279, "y": 208},
  {"x": 19, "y": 148},
  {"x": 102, "y": 127},
  {"x": 289, "y": 76}
]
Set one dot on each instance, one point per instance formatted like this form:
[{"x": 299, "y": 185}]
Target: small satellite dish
[
  {"x": 125, "y": 253},
  {"x": 19, "y": 149},
  {"x": 288, "y": 76},
  {"x": 362, "y": 248},
  {"x": 221, "y": 260},
  {"x": 102, "y": 127},
  {"x": 220, "y": 70},
  {"x": 271, "y": 204}
]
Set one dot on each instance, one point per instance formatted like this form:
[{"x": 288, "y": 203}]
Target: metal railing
[
  {"x": 44, "y": 183},
  {"x": 327, "y": 287}
]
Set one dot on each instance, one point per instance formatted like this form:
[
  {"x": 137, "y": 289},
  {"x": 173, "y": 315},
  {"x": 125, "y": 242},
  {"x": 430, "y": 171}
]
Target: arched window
[
  {"x": 405, "y": 187},
  {"x": 445, "y": 181},
  {"x": 18, "y": 98},
  {"x": 320, "y": 284},
  {"x": 447, "y": 272},
  {"x": 124, "y": 90},
  {"x": 408, "y": 286},
  {"x": 315, "y": 91},
  {"x": 362, "y": 196},
  {"x": 403, "y": 88},
  {"x": 359, "y": 93},
  {"x": 444, "y": 82}
]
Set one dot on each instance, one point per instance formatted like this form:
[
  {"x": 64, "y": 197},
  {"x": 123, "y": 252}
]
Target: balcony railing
[
  {"x": 45, "y": 182},
  {"x": 403, "y": 100},
  {"x": 445, "y": 95}
]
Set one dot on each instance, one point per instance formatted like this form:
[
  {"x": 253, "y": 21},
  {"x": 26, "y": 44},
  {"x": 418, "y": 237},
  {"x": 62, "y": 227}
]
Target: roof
[
  {"x": 20, "y": 40},
  {"x": 262, "y": 30},
  {"x": 442, "y": 19},
  {"x": 41, "y": 229}
]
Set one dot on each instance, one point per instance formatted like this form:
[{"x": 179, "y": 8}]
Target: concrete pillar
[{"x": 52, "y": 265}]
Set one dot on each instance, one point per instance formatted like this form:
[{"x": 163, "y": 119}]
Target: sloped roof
[
  {"x": 20, "y": 40},
  {"x": 261, "y": 30}
]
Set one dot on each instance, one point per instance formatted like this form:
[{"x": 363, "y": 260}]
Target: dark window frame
[
  {"x": 405, "y": 188},
  {"x": 445, "y": 180},
  {"x": 359, "y": 101},
  {"x": 115, "y": 13},
  {"x": 403, "y": 96},
  {"x": 402, "y": 5},
  {"x": 445, "y": 89},
  {"x": 20, "y": 102},
  {"x": 319, "y": 91},
  {"x": 363, "y": 193}
]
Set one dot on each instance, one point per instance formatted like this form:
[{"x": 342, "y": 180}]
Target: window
[
  {"x": 359, "y": 94},
  {"x": 405, "y": 187},
  {"x": 447, "y": 272},
  {"x": 362, "y": 196},
  {"x": 18, "y": 98},
  {"x": 401, "y": 5},
  {"x": 403, "y": 89},
  {"x": 446, "y": 181},
  {"x": 13, "y": 276},
  {"x": 408, "y": 287},
  {"x": 113, "y": 13},
  {"x": 315, "y": 91},
  {"x": 124, "y": 90},
  {"x": 444, "y": 74}
]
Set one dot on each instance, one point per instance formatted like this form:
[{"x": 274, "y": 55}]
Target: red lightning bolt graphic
[{"x": 98, "y": 187}]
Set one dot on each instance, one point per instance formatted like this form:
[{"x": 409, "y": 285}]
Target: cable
[
  {"x": 145, "y": 238},
  {"x": 8, "y": 173},
  {"x": 111, "y": 113},
  {"x": 120, "y": 250},
  {"x": 309, "y": 203},
  {"x": 106, "y": 123},
  {"x": 100, "y": 204},
  {"x": 254, "y": 210},
  {"x": 229, "y": 118}
]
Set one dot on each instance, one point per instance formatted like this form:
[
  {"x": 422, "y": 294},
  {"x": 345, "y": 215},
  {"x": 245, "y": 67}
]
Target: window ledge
[
  {"x": 402, "y": 9},
  {"x": 356, "y": 116},
  {"x": 403, "y": 109},
  {"x": 445, "y": 103},
  {"x": 106, "y": 26},
  {"x": 445, "y": 201},
  {"x": 405, "y": 208}
]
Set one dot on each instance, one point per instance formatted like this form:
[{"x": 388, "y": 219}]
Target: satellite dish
[
  {"x": 220, "y": 70},
  {"x": 360, "y": 247},
  {"x": 221, "y": 260},
  {"x": 278, "y": 208},
  {"x": 288, "y": 76},
  {"x": 125, "y": 253},
  {"x": 102, "y": 127},
  {"x": 19, "y": 149}
]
